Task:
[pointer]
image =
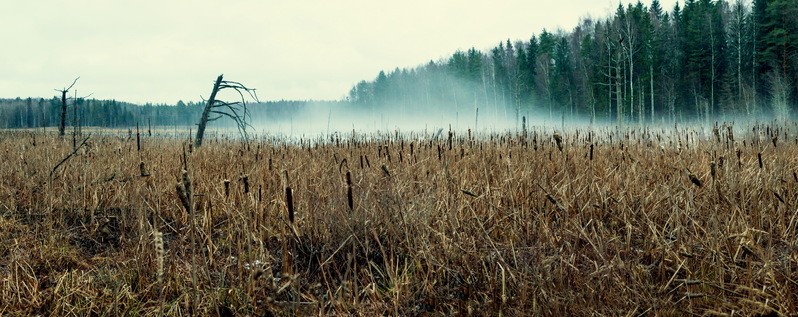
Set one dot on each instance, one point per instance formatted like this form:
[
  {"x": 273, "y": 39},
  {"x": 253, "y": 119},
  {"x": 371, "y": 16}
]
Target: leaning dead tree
[
  {"x": 62, "y": 123},
  {"x": 216, "y": 109}
]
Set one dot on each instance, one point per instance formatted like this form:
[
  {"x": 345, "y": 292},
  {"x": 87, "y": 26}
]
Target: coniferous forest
[
  {"x": 702, "y": 60},
  {"x": 705, "y": 60}
]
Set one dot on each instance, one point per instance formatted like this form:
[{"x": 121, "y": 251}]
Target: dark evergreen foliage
[{"x": 708, "y": 60}]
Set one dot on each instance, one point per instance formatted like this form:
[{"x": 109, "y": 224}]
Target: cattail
[
  {"x": 245, "y": 180},
  {"x": 226, "y": 188},
  {"x": 349, "y": 199},
  {"x": 774, "y": 139},
  {"x": 739, "y": 160},
  {"x": 716, "y": 132},
  {"x": 143, "y": 170},
  {"x": 523, "y": 125},
  {"x": 451, "y": 135},
  {"x": 385, "y": 170},
  {"x": 694, "y": 179},
  {"x": 558, "y": 140},
  {"x": 287, "y": 265},
  {"x": 187, "y": 182},
  {"x": 289, "y": 201},
  {"x": 759, "y": 157},
  {"x": 712, "y": 169},
  {"x": 181, "y": 192},
  {"x": 184, "y": 191},
  {"x": 159, "y": 254},
  {"x": 730, "y": 132},
  {"x": 591, "y": 151}
]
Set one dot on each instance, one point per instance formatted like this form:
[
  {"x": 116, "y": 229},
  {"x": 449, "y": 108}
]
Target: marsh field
[{"x": 605, "y": 221}]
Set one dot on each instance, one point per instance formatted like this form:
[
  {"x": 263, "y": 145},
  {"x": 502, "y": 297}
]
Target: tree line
[
  {"x": 45, "y": 113},
  {"x": 703, "y": 60}
]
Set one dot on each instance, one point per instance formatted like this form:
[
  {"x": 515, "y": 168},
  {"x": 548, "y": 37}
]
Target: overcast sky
[{"x": 162, "y": 51}]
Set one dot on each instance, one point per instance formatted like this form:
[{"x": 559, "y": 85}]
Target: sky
[{"x": 164, "y": 51}]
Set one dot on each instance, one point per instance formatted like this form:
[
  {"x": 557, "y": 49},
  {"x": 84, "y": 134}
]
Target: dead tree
[
  {"x": 216, "y": 109},
  {"x": 62, "y": 123}
]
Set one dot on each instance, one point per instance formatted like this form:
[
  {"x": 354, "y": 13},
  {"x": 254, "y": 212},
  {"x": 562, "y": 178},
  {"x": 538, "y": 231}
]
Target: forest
[
  {"x": 701, "y": 61},
  {"x": 84, "y": 112}
]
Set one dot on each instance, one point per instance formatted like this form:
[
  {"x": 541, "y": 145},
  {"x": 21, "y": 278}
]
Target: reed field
[{"x": 671, "y": 221}]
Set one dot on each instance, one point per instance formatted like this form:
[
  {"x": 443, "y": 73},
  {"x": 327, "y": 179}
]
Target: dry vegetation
[{"x": 603, "y": 222}]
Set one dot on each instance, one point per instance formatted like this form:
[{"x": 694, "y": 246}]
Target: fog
[
  {"x": 418, "y": 104},
  {"x": 316, "y": 119},
  {"x": 428, "y": 107},
  {"x": 320, "y": 121}
]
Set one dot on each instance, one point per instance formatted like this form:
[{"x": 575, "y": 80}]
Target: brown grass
[{"x": 604, "y": 222}]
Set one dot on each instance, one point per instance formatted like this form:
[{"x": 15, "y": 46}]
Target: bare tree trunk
[
  {"x": 755, "y": 106},
  {"x": 641, "y": 104},
  {"x": 672, "y": 102},
  {"x": 630, "y": 51},
  {"x": 75, "y": 121},
  {"x": 651, "y": 87},
  {"x": 591, "y": 92},
  {"x": 713, "y": 71},
  {"x": 456, "y": 106},
  {"x": 619, "y": 84},
  {"x": 62, "y": 123},
  {"x": 631, "y": 85},
  {"x": 609, "y": 82},
  {"x": 738, "y": 10},
  {"x": 206, "y": 112}
]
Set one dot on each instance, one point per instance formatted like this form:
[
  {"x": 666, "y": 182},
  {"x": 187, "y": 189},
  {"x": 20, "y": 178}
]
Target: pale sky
[{"x": 162, "y": 51}]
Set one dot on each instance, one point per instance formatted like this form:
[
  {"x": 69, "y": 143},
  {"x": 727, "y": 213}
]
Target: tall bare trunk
[
  {"x": 651, "y": 87},
  {"x": 62, "y": 123},
  {"x": 712, "y": 66},
  {"x": 204, "y": 119}
]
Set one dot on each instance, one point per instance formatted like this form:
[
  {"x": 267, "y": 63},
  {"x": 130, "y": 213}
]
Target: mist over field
[{"x": 315, "y": 119}]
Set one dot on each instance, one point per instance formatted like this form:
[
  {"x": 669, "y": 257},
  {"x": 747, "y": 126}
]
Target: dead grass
[{"x": 603, "y": 222}]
